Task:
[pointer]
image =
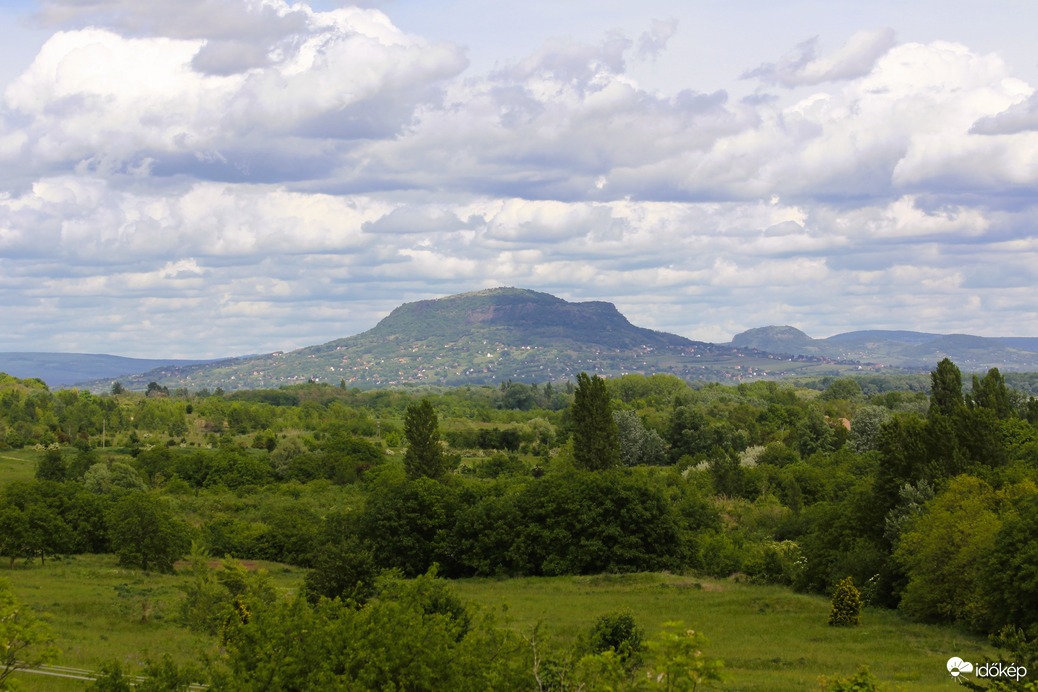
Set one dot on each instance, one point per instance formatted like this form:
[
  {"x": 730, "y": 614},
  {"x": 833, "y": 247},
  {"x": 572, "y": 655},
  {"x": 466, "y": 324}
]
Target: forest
[{"x": 921, "y": 493}]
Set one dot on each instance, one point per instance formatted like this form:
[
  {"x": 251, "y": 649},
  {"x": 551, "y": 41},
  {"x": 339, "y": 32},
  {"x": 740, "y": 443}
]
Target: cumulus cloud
[
  {"x": 554, "y": 125},
  {"x": 1019, "y": 117},
  {"x": 94, "y": 98},
  {"x": 280, "y": 176},
  {"x": 803, "y": 66},
  {"x": 416, "y": 219},
  {"x": 211, "y": 19}
]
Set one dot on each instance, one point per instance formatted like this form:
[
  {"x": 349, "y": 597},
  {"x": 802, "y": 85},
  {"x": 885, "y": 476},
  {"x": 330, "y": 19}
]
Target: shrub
[
  {"x": 345, "y": 570},
  {"x": 617, "y": 632},
  {"x": 846, "y": 605},
  {"x": 862, "y": 681}
]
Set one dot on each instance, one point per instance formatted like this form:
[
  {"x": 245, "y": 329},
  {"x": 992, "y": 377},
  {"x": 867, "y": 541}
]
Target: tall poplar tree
[
  {"x": 990, "y": 392},
  {"x": 946, "y": 390},
  {"x": 596, "y": 440},
  {"x": 424, "y": 456}
]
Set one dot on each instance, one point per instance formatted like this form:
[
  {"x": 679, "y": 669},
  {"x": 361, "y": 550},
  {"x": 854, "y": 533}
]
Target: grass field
[
  {"x": 100, "y": 611},
  {"x": 769, "y": 637},
  {"x": 17, "y": 465}
]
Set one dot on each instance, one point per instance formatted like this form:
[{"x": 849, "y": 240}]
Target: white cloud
[
  {"x": 654, "y": 41},
  {"x": 280, "y": 176},
  {"x": 855, "y": 58},
  {"x": 95, "y": 98}
]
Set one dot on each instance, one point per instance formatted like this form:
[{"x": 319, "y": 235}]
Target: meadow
[{"x": 769, "y": 637}]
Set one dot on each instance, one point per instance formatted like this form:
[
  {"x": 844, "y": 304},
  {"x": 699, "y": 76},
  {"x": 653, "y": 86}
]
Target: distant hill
[
  {"x": 63, "y": 369},
  {"x": 487, "y": 337},
  {"x": 491, "y": 336},
  {"x": 905, "y": 349}
]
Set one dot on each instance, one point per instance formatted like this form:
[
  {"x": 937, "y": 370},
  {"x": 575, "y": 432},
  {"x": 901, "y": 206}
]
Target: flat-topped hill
[{"x": 484, "y": 337}]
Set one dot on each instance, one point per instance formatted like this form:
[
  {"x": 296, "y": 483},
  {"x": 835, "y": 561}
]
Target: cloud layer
[{"x": 240, "y": 177}]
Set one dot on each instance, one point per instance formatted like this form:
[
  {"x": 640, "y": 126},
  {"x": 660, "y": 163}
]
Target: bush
[
  {"x": 862, "y": 681},
  {"x": 846, "y": 605},
  {"x": 502, "y": 465},
  {"x": 777, "y": 563},
  {"x": 617, "y": 632},
  {"x": 344, "y": 570}
]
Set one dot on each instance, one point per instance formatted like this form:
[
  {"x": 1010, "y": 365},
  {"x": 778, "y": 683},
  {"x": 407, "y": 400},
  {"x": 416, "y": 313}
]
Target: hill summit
[
  {"x": 784, "y": 339},
  {"x": 516, "y": 317},
  {"x": 482, "y": 337}
]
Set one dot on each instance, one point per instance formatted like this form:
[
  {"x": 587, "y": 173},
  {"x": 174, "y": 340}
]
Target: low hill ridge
[
  {"x": 62, "y": 369},
  {"x": 899, "y": 348}
]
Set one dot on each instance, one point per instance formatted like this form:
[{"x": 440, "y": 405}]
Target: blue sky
[{"x": 217, "y": 177}]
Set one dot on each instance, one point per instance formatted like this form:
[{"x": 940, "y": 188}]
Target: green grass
[
  {"x": 97, "y": 610},
  {"x": 769, "y": 637},
  {"x": 18, "y": 465}
]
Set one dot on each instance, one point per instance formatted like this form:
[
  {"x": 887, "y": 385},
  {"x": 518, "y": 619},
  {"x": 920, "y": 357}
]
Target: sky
[{"x": 208, "y": 178}]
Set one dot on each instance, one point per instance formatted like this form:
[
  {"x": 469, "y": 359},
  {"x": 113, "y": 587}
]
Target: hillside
[
  {"x": 61, "y": 369},
  {"x": 904, "y": 349},
  {"x": 486, "y": 337}
]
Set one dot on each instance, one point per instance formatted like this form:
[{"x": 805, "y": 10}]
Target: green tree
[
  {"x": 12, "y": 533},
  {"x": 1011, "y": 574},
  {"x": 943, "y": 552},
  {"x": 844, "y": 388},
  {"x": 106, "y": 478},
  {"x": 846, "y": 604},
  {"x": 345, "y": 569},
  {"x": 946, "y": 390},
  {"x": 596, "y": 441},
  {"x": 866, "y": 426},
  {"x": 411, "y": 637},
  {"x": 812, "y": 434},
  {"x": 638, "y": 445},
  {"x": 214, "y": 597},
  {"x": 424, "y": 456},
  {"x": 145, "y": 533},
  {"x": 991, "y": 393},
  {"x": 406, "y": 522},
  {"x": 51, "y": 467},
  {"x": 25, "y": 642},
  {"x": 45, "y": 533}
]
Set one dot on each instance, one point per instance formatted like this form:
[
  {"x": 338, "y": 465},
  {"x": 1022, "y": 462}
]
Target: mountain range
[
  {"x": 899, "y": 348},
  {"x": 486, "y": 337},
  {"x": 65, "y": 369}
]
